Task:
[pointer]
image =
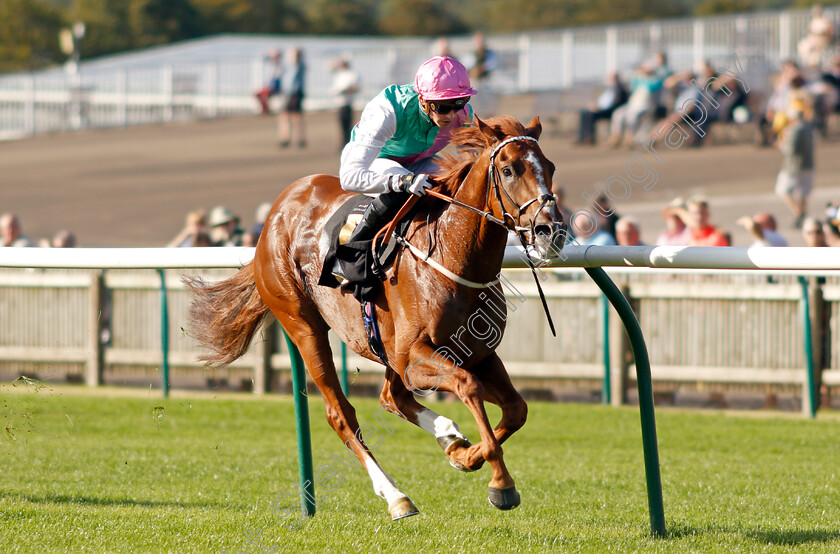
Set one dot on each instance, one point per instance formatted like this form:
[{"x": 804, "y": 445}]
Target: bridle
[
  {"x": 545, "y": 198},
  {"x": 508, "y": 220}
]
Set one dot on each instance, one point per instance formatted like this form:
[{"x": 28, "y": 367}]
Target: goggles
[{"x": 444, "y": 107}]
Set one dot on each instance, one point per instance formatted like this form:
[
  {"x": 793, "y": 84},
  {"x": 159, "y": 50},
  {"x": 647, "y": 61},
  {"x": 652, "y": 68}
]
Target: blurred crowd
[
  {"x": 220, "y": 227},
  {"x": 11, "y": 234},
  {"x": 804, "y": 94},
  {"x": 680, "y": 107},
  {"x": 687, "y": 222}
]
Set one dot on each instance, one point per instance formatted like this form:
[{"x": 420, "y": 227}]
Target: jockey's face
[{"x": 442, "y": 120}]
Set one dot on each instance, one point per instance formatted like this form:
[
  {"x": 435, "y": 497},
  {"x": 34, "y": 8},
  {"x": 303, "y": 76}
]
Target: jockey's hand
[{"x": 415, "y": 184}]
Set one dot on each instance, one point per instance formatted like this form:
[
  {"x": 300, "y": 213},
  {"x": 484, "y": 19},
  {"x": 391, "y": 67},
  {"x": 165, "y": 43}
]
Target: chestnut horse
[{"x": 426, "y": 308}]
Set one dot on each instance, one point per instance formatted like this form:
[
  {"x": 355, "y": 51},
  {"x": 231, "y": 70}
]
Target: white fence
[
  {"x": 707, "y": 329},
  {"x": 219, "y": 79}
]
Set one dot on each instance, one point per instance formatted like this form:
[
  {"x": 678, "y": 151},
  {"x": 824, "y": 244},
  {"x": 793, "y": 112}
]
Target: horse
[{"x": 440, "y": 297}]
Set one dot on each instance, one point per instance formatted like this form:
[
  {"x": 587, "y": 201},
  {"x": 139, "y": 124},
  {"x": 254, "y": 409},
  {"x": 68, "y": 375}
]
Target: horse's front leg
[
  {"x": 396, "y": 398},
  {"x": 500, "y": 391},
  {"x": 421, "y": 374}
]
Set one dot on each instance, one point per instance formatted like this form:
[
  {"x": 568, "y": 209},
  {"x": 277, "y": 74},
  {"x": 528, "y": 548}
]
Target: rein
[{"x": 545, "y": 199}]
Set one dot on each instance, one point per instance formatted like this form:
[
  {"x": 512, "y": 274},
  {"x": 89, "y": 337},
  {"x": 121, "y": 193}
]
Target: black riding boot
[{"x": 383, "y": 208}]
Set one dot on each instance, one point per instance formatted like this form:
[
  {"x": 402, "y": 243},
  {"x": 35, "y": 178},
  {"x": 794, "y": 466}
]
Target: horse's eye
[{"x": 507, "y": 172}]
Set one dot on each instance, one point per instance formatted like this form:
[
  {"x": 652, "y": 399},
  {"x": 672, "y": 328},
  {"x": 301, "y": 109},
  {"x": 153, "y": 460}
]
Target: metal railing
[{"x": 732, "y": 330}]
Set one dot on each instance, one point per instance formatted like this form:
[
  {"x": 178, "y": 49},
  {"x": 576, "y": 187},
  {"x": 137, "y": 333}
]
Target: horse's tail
[{"x": 224, "y": 316}]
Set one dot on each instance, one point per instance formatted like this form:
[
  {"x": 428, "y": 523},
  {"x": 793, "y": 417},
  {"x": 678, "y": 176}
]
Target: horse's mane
[{"x": 471, "y": 144}]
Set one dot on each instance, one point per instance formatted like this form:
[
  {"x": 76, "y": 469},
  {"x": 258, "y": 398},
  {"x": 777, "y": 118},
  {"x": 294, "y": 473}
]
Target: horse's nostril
[{"x": 543, "y": 231}]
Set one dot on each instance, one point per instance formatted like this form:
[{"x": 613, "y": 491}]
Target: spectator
[
  {"x": 799, "y": 98},
  {"x": 589, "y": 232},
  {"x": 813, "y": 233},
  {"x": 442, "y": 48},
  {"x": 628, "y": 232},
  {"x": 613, "y": 96},
  {"x": 796, "y": 178},
  {"x": 688, "y": 102},
  {"x": 832, "y": 234},
  {"x": 560, "y": 197},
  {"x": 482, "y": 63},
  {"x": 762, "y": 227},
  {"x": 832, "y": 78},
  {"x": 778, "y": 102},
  {"x": 249, "y": 238},
  {"x": 345, "y": 85},
  {"x": 10, "y": 232},
  {"x": 202, "y": 239},
  {"x": 260, "y": 215},
  {"x": 820, "y": 36},
  {"x": 64, "y": 239},
  {"x": 196, "y": 224},
  {"x": 292, "y": 116},
  {"x": 224, "y": 228},
  {"x": 274, "y": 85},
  {"x": 702, "y": 232},
  {"x": 659, "y": 64},
  {"x": 626, "y": 119},
  {"x": 716, "y": 102},
  {"x": 832, "y": 224},
  {"x": 675, "y": 233},
  {"x": 605, "y": 213}
]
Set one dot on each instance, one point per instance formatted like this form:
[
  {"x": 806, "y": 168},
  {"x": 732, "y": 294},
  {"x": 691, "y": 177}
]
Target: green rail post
[
  {"x": 304, "y": 441},
  {"x": 805, "y": 312},
  {"x": 606, "y": 395},
  {"x": 164, "y": 334},
  {"x": 345, "y": 385},
  {"x": 643, "y": 379}
]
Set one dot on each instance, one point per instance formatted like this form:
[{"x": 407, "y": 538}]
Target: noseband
[
  {"x": 545, "y": 199},
  {"x": 509, "y": 221}
]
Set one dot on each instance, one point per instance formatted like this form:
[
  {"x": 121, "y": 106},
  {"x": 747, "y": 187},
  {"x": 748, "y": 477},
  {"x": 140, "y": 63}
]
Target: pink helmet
[{"x": 442, "y": 78}]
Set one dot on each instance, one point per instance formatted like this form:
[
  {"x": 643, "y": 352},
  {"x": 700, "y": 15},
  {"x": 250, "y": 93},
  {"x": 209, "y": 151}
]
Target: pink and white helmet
[{"x": 442, "y": 78}]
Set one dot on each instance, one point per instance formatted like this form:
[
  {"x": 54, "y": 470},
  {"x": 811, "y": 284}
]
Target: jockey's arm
[{"x": 377, "y": 125}]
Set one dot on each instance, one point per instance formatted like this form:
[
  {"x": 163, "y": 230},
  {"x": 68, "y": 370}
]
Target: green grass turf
[{"x": 110, "y": 471}]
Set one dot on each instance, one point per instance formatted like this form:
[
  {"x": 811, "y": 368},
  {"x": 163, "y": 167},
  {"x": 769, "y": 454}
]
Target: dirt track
[{"x": 133, "y": 187}]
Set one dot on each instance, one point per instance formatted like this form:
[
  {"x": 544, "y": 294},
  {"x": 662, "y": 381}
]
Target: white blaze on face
[
  {"x": 542, "y": 245},
  {"x": 538, "y": 172}
]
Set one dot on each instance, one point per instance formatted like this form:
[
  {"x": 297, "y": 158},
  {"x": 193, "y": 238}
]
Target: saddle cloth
[{"x": 355, "y": 259}]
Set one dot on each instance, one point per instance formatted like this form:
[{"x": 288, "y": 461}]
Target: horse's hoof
[
  {"x": 449, "y": 443},
  {"x": 459, "y": 466},
  {"x": 504, "y": 499},
  {"x": 402, "y": 507}
]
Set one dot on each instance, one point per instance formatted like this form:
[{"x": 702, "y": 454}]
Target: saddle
[{"x": 360, "y": 269}]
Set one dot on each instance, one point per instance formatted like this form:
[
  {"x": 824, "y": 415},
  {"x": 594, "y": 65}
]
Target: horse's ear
[
  {"x": 489, "y": 133},
  {"x": 534, "y": 128}
]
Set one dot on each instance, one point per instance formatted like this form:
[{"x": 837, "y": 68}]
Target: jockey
[{"x": 392, "y": 148}]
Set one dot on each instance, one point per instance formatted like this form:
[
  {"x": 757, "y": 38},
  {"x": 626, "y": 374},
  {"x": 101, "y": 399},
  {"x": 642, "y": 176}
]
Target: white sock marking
[
  {"x": 383, "y": 485},
  {"x": 438, "y": 425}
]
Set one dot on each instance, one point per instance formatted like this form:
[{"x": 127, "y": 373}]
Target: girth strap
[{"x": 372, "y": 330}]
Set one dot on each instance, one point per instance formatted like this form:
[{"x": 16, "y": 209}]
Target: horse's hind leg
[
  {"x": 396, "y": 398},
  {"x": 312, "y": 341}
]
